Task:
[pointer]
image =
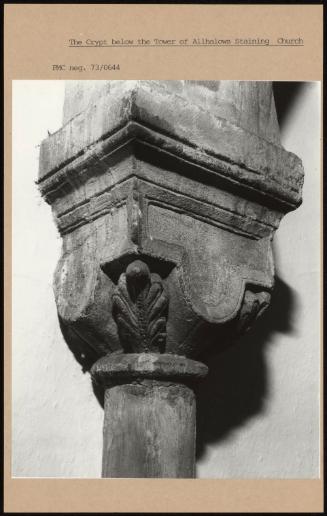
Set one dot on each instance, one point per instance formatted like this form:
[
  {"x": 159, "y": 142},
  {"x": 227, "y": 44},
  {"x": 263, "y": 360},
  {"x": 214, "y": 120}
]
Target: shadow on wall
[
  {"x": 285, "y": 94},
  {"x": 85, "y": 355},
  {"x": 236, "y": 387}
]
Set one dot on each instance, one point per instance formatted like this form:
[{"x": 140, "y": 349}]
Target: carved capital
[{"x": 166, "y": 190}]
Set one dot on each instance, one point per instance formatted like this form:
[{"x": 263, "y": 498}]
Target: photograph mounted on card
[{"x": 163, "y": 186}]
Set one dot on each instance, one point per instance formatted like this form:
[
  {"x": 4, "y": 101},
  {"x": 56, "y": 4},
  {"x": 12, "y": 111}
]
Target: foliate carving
[
  {"x": 253, "y": 306},
  {"x": 140, "y": 306}
]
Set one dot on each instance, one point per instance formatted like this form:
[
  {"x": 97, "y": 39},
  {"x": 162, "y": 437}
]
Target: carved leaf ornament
[{"x": 140, "y": 307}]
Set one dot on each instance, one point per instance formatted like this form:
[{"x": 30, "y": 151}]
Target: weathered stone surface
[
  {"x": 149, "y": 431},
  {"x": 140, "y": 309},
  {"x": 110, "y": 369},
  {"x": 249, "y": 105},
  {"x": 149, "y": 423},
  {"x": 167, "y": 195},
  {"x": 150, "y": 112},
  {"x": 187, "y": 176}
]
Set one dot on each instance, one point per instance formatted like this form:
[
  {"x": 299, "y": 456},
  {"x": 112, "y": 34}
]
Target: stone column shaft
[
  {"x": 149, "y": 430},
  {"x": 150, "y": 410}
]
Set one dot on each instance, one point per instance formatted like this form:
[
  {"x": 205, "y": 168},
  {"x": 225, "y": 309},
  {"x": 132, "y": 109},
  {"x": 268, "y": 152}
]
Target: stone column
[
  {"x": 167, "y": 195},
  {"x": 149, "y": 423}
]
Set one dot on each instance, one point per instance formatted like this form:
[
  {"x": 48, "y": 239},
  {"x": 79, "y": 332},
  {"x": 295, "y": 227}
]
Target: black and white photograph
[{"x": 166, "y": 279}]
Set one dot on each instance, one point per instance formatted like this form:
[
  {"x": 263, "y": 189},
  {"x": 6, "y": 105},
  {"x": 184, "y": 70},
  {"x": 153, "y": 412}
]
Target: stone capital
[{"x": 174, "y": 174}]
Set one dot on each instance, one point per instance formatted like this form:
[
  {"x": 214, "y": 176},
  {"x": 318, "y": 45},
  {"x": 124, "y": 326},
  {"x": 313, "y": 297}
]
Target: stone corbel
[{"x": 167, "y": 195}]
